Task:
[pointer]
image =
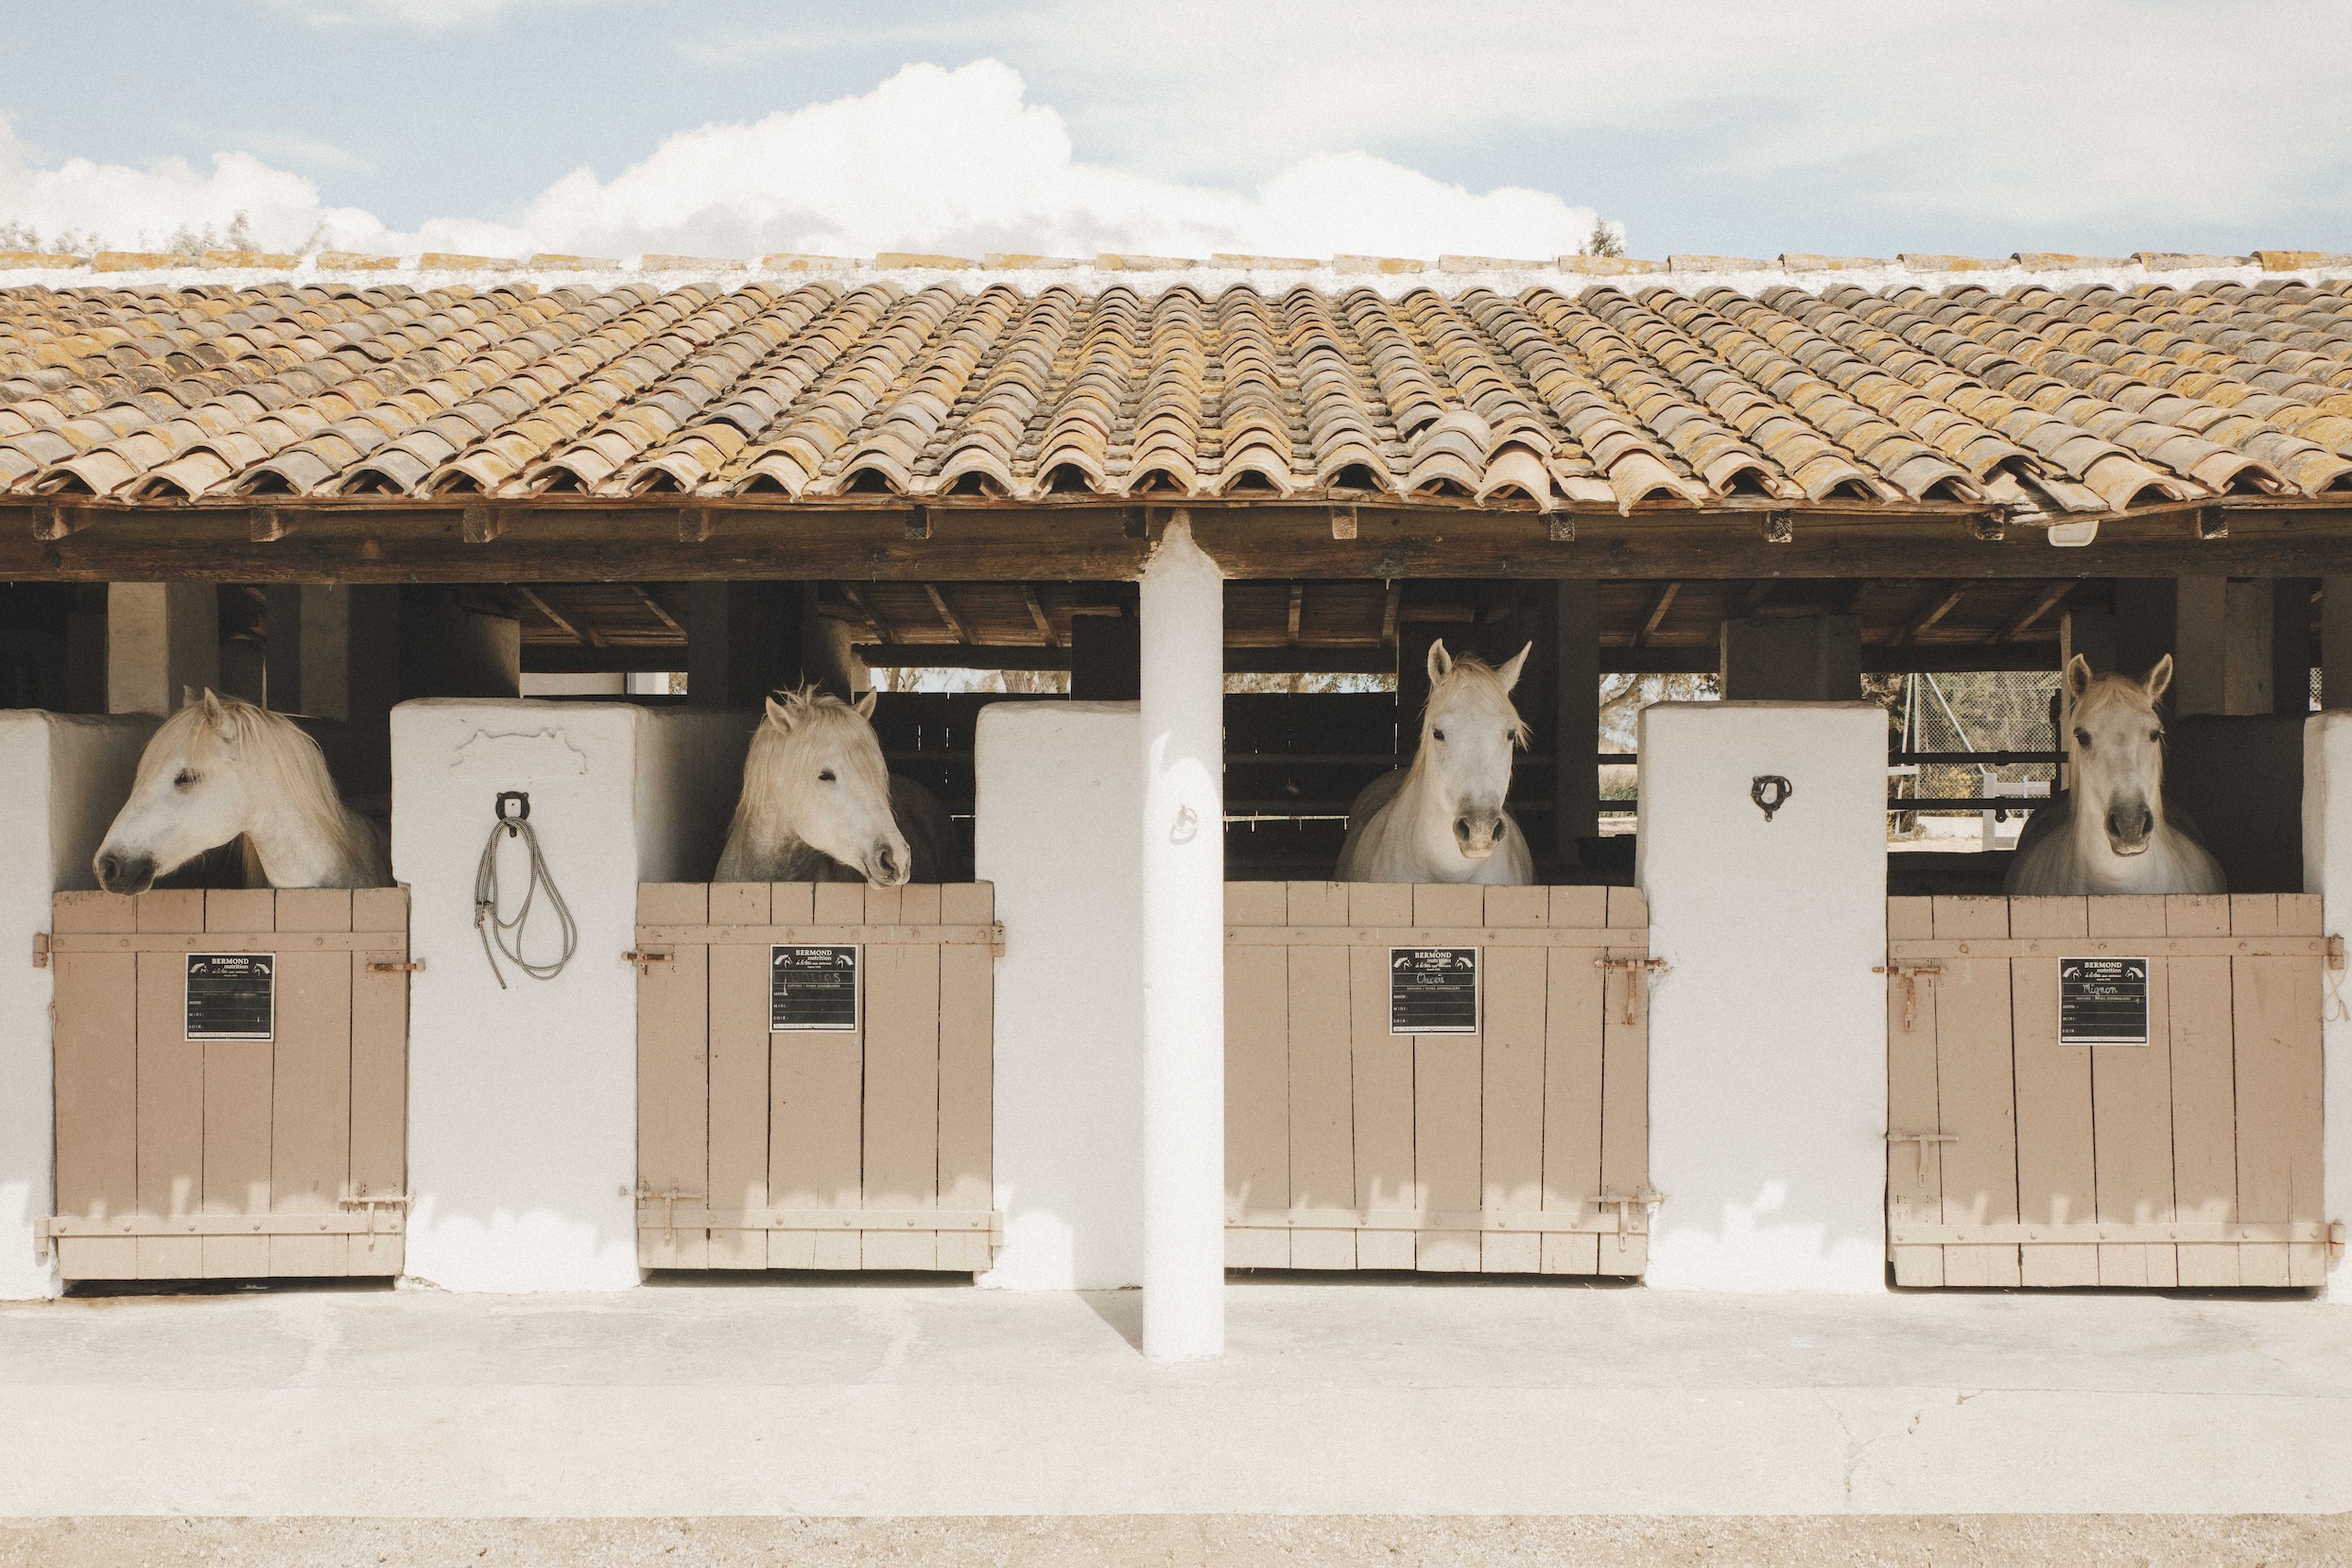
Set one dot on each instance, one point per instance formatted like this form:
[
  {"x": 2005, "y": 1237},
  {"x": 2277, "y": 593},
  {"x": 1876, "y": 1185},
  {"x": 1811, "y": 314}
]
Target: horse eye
[
  {"x": 2156, "y": 735},
  {"x": 183, "y": 779},
  {"x": 2083, "y": 737},
  {"x": 1437, "y": 734},
  {"x": 825, "y": 777}
]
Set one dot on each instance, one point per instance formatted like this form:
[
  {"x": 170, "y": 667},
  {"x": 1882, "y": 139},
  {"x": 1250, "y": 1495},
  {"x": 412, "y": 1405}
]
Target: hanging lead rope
[{"x": 514, "y": 810}]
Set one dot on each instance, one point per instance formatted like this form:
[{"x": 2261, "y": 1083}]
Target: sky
[{"x": 1306, "y": 127}]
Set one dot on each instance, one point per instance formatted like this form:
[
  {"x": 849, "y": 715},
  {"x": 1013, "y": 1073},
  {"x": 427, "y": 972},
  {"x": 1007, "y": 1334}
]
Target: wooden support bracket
[
  {"x": 1343, "y": 522},
  {"x": 695, "y": 525},
  {"x": 480, "y": 524},
  {"x": 918, "y": 522},
  {"x": 1560, "y": 527},
  {"x": 2210, "y": 523},
  {"x": 57, "y": 518},
  {"x": 1779, "y": 527},
  {"x": 268, "y": 524}
]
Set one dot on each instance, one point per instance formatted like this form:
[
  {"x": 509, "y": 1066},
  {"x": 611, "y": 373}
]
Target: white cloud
[
  {"x": 933, "y": 160},
  {"x": 959, "y": 162}
]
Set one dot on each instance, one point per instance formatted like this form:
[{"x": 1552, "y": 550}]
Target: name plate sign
[
  {"x": 2102, "y": 1001},
  {"x": 812, "y": 988},
  {"x": 1433, "y": 990},
  {"x": 231, "y": 995}
]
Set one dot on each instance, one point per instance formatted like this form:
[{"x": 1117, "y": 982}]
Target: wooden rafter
[
  {"x": 882, "y": 633},
  {"x": 655, "y": 604},
  {"x": 946, "y": 613},
  {"x": 2043, "y": 604},
  {"x": 577, "y": 634},
  {"x": 1389, "y": 603},
  {"x": 1657, "y": 612},
  {"x": 1938, "y": 606},
  {"x": 1037, "y": 613}
]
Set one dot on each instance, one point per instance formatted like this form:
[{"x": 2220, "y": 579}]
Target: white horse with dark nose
[
  {"x": 222, "y": 769},
  {"x": 2110, "y": 831},
  {"x": 1443, "y": 819},
  {"x": 819, "y": 805}
]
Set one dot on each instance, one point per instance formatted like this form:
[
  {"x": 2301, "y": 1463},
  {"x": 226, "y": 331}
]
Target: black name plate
[
  {"x": 231, "y": 995},
  {"x": 812, "y": 987},
  {"x": 1433, "y": 990},
  {"x": 2102, "y": 1001}
]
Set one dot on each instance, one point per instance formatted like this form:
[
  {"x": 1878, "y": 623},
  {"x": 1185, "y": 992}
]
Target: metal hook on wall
[{"x": 1769, "y": 792}]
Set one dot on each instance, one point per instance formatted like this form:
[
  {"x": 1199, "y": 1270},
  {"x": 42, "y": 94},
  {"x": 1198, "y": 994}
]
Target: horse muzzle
[
  {"x": 889, "y": 866},
  {"x": 123, "y": 872},
  {"x": 2130, "y": 829},
  {"x": 1478, "y": 836}
]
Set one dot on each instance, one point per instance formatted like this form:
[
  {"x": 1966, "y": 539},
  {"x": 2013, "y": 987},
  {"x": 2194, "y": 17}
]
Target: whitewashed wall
[
  {"x": 1060, "y": 793},
  {"x": 1767, "y": 1069},
  {"x": 523, "y": 1102},
  {"x": 64, "y": 777},
  {"x": 2328, "y": 871}
]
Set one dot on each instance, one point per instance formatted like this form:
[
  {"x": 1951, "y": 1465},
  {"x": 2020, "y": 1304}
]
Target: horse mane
[
  {"x": 279, "y": 755},
  {"x": 1476, "y": 673},
  {"x": 766, "y": 808}
]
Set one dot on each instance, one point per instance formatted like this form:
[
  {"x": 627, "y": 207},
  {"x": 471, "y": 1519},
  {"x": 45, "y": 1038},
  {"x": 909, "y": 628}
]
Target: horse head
[
  {"x": 193, "y": 792},
  {"x": 818, "y": 759},
  {"x": 2115, "y": 748},
  {"x": 1467, "y": 732}
]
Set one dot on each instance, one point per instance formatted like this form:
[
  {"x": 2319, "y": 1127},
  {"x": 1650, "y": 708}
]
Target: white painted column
[
  {"x": 1183, "y": 951},
  {"x": 161, "y": 638},
  {"x": 1061, "y": 790},
  {"x": 64, "y": 777},
  {"x": 2328, "y": 871},
  {"x": 523, "y": 1101},
  {"x": 1768, "y": 1035}
]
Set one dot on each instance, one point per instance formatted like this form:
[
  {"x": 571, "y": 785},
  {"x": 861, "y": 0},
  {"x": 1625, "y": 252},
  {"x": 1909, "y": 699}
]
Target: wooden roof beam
[
  {"x": 1938, "y": 606},
  {"x": 577, "y": 634},
  {"x": 654, "y": 605},
  {"x": 882, "y": 631},
  {"x": 1657, "y": 612},
  {"x": 2043, "y": 604},
  {"x": 1037, "y": 613},
  {"x": 946, "y": 613}
]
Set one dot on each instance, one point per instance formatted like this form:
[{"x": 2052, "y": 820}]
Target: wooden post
[
  {"x": 282, "y": 648},
  {"x": 1795, "y": 658},
  {"x": 743, "y": 641},
  {"x": 2145, "y": 618},
  {"x": 2335, "y": 642},
  {"x": 450, "y": 649},
  {"x": 162, "y": 638},
  {"x": 2292, "y": 653},
  {"x": 1576, "y": 708},
  {"x": 2225, "y": 635}
]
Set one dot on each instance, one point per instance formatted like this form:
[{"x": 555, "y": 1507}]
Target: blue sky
[{"x": 1851, "y": 127}]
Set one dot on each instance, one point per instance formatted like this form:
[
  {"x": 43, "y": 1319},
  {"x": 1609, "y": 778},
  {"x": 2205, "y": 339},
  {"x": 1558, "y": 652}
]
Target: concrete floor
[{"x": 1367, "y": 1399}]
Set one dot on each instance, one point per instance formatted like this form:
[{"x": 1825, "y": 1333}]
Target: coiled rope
[{"x": 493, "y": 928}]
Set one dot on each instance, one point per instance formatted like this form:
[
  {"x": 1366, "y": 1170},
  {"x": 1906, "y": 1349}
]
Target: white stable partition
[
  {"x": 2328, "y": 871},
  {"x": 1768, "y": 1045},
  {"x": 64, "y": 776},
  {"x": 523, "y": 1101},
  {"x": 1061, "y": 792}
]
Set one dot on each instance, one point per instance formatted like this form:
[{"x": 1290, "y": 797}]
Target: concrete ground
[{"x": 891, "y": 1417}]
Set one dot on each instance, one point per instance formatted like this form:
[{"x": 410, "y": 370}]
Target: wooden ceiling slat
[
  {"x": 1657, "y": 612},
  {"x": 585, "y": 634},
  {"x": 946, "y": 614},
  {"x": 2043, "y": 604}
]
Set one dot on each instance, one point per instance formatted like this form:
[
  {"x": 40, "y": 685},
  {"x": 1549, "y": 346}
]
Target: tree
[{"x": 1608, "y": 239}]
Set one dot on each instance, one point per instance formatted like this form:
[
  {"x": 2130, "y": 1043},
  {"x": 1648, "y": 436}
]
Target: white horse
[
  {"x": 221, "y": 769},
  {"x": 1443, "y": 820},
  {"x": 2111, "y": 832},
  {"x": 818, "y": 804}
]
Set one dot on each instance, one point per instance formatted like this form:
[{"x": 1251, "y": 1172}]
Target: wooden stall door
[
  {"x": 868, "y": 1147},
  {"x": 208, "y": 1158},
  {"x": 2192, "y": 1161},
  {"x": 1522, "y": 1148}
]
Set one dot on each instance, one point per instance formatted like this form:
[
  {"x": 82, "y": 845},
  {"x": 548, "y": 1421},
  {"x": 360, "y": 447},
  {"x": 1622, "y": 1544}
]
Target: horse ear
[
  {"x": 1439, "y": 660},
  {"x": 1509, "y": 674},
  {"x": 778, "y": 714},
  {"x": 865, "y": 704},
  {"x": 2078, "y": 676},
  {"x": 2159, "y": 677},
  {"x": 190, "y": 697}
]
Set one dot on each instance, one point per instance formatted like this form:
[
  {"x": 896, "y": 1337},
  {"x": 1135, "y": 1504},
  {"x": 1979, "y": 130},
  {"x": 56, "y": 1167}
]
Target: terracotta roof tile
[{"x": 2057, "y": 395}]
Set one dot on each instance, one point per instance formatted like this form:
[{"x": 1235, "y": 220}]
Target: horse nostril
[
  {"x": 110, "y": 867},
  {"x": 1461, "y": 827}
]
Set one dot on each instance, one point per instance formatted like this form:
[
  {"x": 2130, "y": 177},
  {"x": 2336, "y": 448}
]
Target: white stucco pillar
[
  {"x": 1183, "y": 951},
  {"x": 161, "y": 638},
  {"x": 1768, "y": 1033},
  {"x": 2328, "y": 871}
]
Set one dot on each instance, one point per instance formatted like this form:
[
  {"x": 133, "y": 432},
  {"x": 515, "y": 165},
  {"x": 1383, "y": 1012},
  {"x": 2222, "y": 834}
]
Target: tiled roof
[{"x": 2055, "y": 395}]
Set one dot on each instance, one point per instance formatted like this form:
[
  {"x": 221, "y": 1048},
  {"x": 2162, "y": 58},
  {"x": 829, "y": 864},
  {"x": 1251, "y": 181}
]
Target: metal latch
[
  {"x": 1630, "y": 966},
  {"x": 2335, "y": 1239},
  {"x": 372, "y": 1204},
  {"x": 40, "y": 950},
  {"x": 394, "y": 966},
  {"x": 1645, "y": 1196},
  {"x": 2335, "y": 951},
  {"x": 669, "y": 1201},
  {"x": 1908, "y": 975},
  {"x": 645, "y": 961},
  {"x": 1922, "y": 1140}
]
